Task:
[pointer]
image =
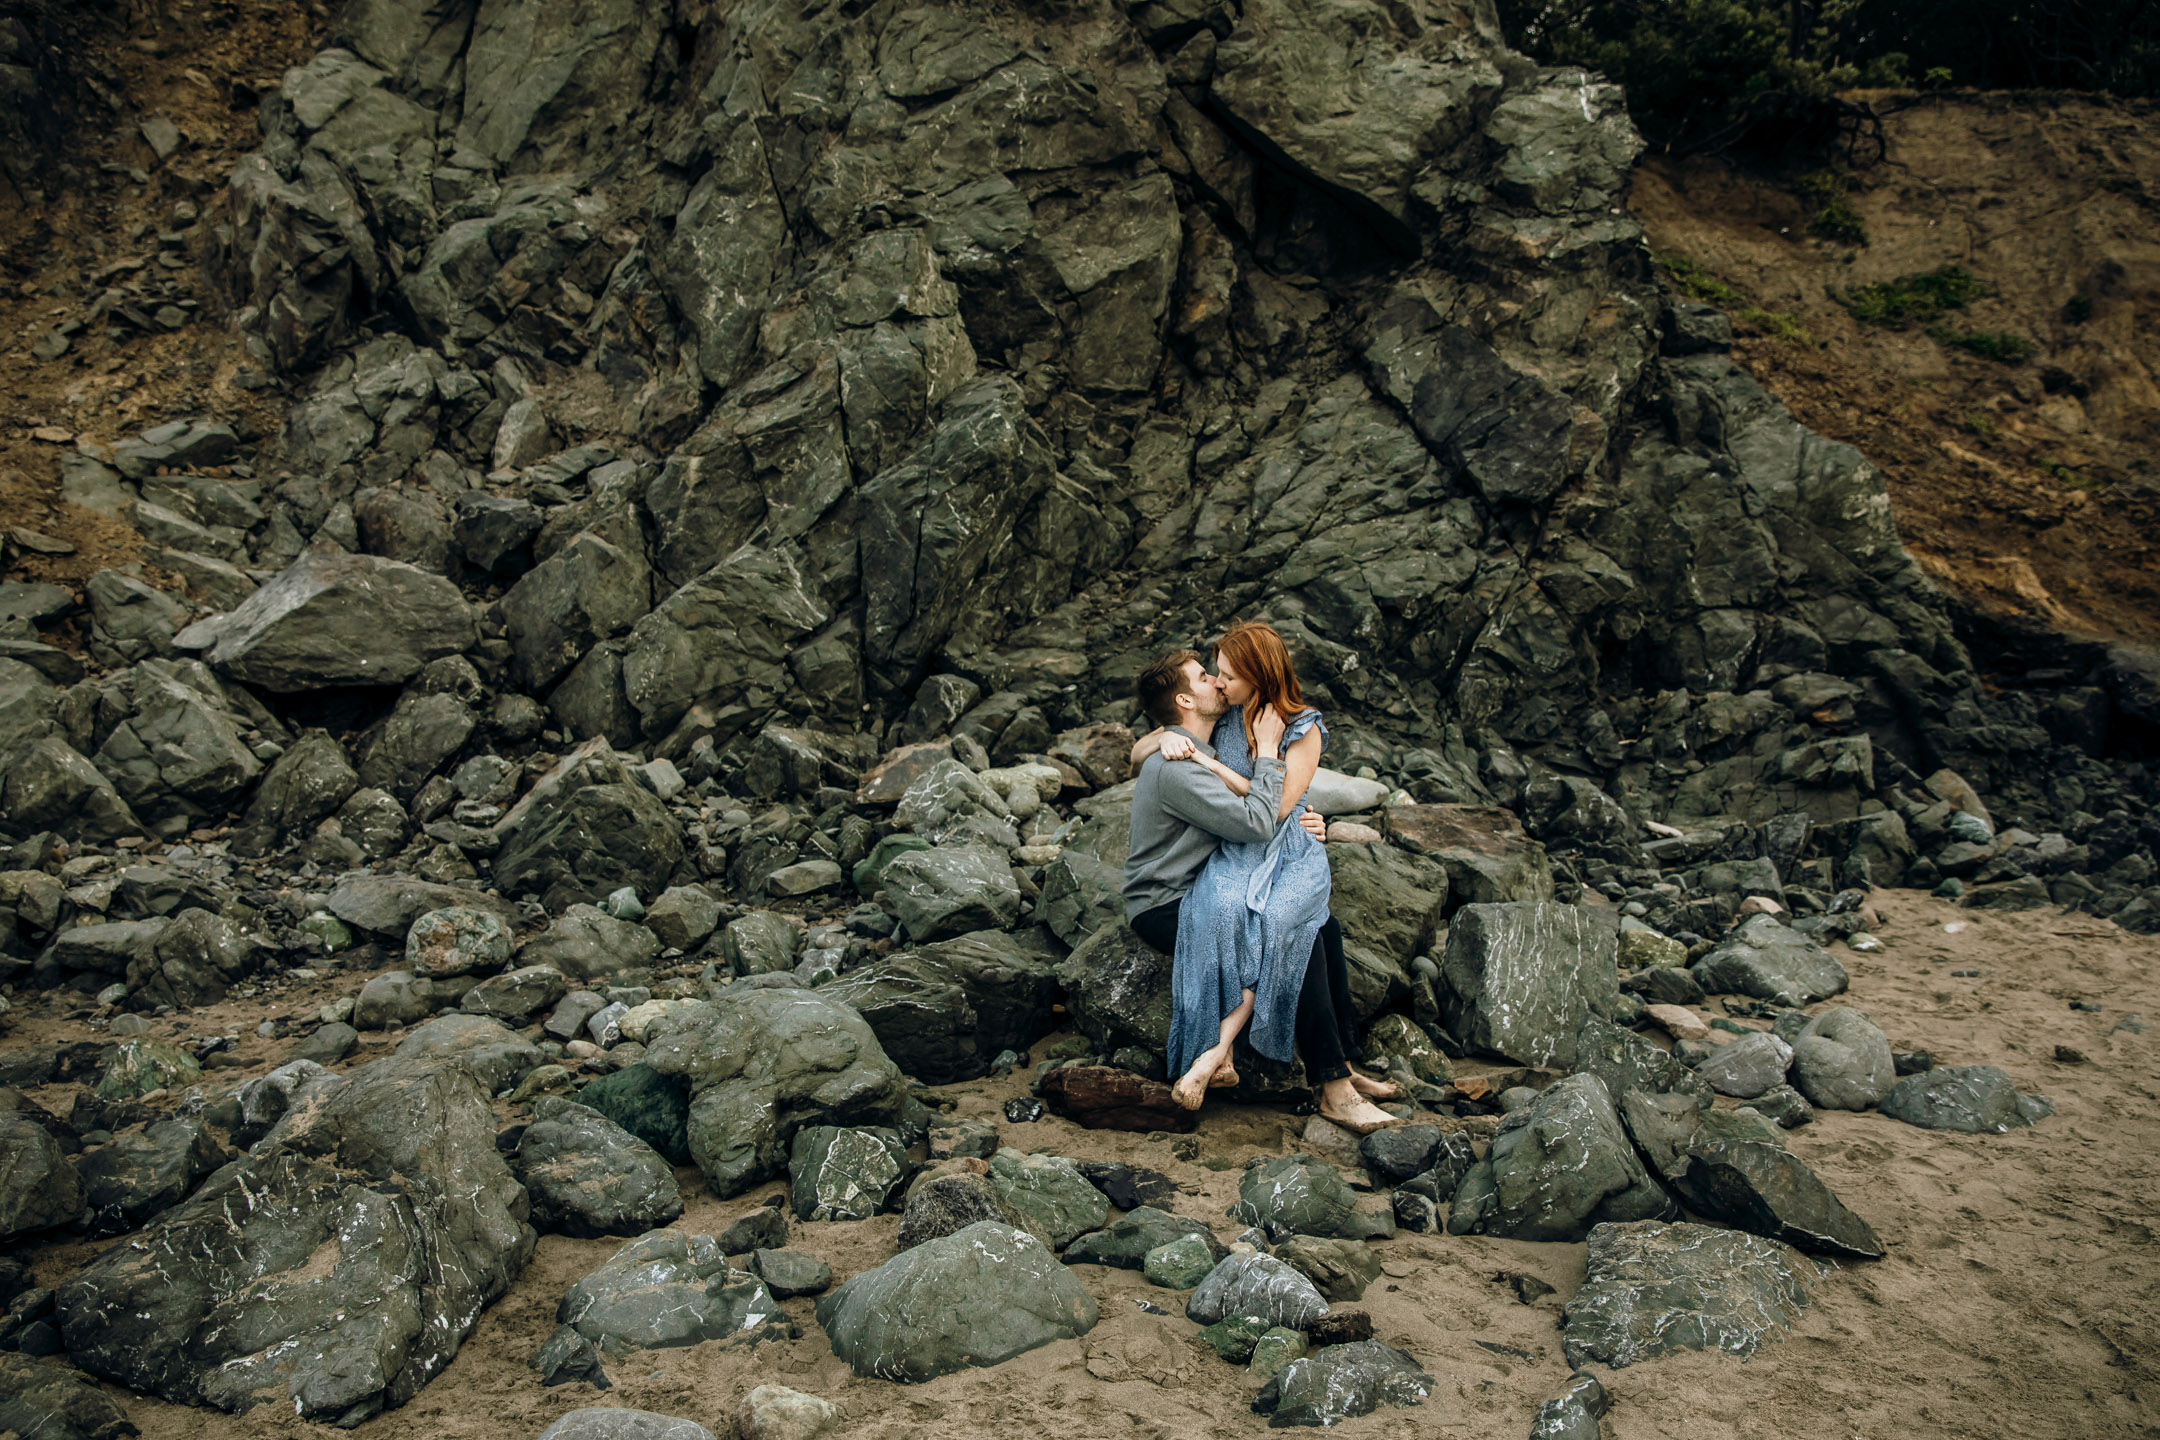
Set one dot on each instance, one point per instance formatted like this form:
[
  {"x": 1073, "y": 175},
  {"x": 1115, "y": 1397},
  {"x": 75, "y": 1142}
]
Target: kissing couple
[{"x": 1227, "y": 874}]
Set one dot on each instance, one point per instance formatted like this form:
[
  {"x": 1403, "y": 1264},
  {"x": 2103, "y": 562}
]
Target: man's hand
[
  {"x": 1267, "y": 733},
  {"x": 1315, "y": 825},
  {"x": 1177, "y": 747}
]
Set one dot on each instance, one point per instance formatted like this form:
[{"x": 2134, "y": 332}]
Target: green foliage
[
  {"x": 1694, "y": 281},
  {"x": 1775, "y": 324},
  {"x": 1708, "y": 74},
  {"x": 1982, "y": 424},
  {"x": 2078, "y": 311},
  {"x": 1914, "y": 299},
  {"x": 2000, "y": 345},
  {"x": 1831, "y": 214}
]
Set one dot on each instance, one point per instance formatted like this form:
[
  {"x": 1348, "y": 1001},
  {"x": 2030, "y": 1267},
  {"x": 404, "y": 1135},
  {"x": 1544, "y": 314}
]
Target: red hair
[{"x": 1260, "y": 657}]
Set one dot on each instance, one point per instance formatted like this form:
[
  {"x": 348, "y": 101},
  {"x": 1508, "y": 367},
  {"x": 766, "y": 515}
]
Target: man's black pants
[{"x": 1324, "y": 1012}]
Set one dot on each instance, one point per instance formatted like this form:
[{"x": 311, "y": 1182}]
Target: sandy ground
[{"x": 2020, "y": 1296}]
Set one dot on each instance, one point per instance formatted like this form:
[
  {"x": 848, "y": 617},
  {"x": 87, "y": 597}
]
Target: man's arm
[{"x": 1202, "y": 801}]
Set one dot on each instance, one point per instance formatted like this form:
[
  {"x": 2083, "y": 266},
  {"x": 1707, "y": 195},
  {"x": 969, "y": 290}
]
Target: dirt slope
[{"x": 2029, "y": 487}]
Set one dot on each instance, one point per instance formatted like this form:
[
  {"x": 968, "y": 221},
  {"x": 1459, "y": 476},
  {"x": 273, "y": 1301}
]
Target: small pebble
[
  {"x": 2069, "y": 1055},
  {"x": 1964, "y": 974},
  {"x": 1020, "y": 1110}
]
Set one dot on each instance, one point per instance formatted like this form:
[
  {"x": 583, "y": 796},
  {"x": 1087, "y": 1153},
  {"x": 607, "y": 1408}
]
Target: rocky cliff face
[{"x": 757, "y": 365}]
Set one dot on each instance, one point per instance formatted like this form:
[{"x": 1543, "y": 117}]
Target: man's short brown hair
[{"x": 1161, "y": 683}]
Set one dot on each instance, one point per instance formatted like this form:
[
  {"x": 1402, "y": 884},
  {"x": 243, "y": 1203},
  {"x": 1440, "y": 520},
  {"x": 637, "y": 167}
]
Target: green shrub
[
  {"x": 1914, "y": 299},
  {"x": 1774, "y": 324},
  {"x": 1987, "y": 344},
  {"x": 1982, "y": 424},
  {"x": 1694, "y": 281},
  {"x": 1831, "y": 215}
]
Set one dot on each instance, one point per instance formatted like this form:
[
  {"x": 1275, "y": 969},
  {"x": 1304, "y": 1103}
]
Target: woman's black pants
[{"x": 1324, "y": 1012}]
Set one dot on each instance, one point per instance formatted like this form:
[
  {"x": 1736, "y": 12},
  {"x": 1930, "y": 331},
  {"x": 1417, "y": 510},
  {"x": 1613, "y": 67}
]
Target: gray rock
[
  {"x": 1055, "y": 1202},
  {"x": 653, "y": 1107},
  {"x": 397, "y": 1169},
  {"x": 1573, "y": 1414},
  {"x": 303, "y": 786},
  {"x": 1180, "y": 1264},
  {"x": 458, "y": 940},
  {"x": 760, "y": 1065},
  {"x": 387, "y": 905},
  {"x": 268, "y": 1099},
  {"x": 54, "y": 1402},
  {"x": 337, "y": 619},
  {"x": 1126, "y": 1241},
  {"x": 1977, "y": 1099},
  {"x": 1519, "y": 980},
  {"x": 836, "y": 1174},
  {"x": 1260, "y": 1286},
  {"x": 1625, "y": 1061},
  {"x": 788, "y": 1273},
  {"x": 1406, "y": 1151},
  {"x": 1306, "y": 1195},
  {"x": 129, "y": 621},
  {"x": 950, "y": 890},
  {"x": 1730, "y": 1166},
  {"x": 1556, "y": 1169},
  {"x": 1337, "y": 1382},
  {"x": 329, "y": 1044},
  {"x": 1659, "y": 1289},
  {"x": 586, "y": 592},
  {"x": 945, "y": 1011},
  {"x": 614, "y": 1424},
  {"x": 497, "y": 1055},
  {"x": 38, "y": 1187},
  {"x": 683, "y": 916},
  {"x": 585, "y": 943},
  {"x": 1750, "y": 1066},
  {"x": 392, "y": 999},
  {"x": 516, "y": 996},
  {"x": 193, "y": 961},
  {"x": 566, "y": 1022},
  {"x": 760, "y": 943},
  {"x": 719, "y": 636},
  {"x": 143, "y": 1173},
  {"x": 978, "y": 1297},
  {"x": 1339, "y": 1269},
  {"x": 49, "y": 786},
  {"x": 586, "y": 1175},
  {"x": 662, "y": 1289},
  {"x": 583, "y": 842},
  {"x": 423, "y": 731},
  {"x": 1841, "y": 1061},
  {"x": 1770, "y": 962}
]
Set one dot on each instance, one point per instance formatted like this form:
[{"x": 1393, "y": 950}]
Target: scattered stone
[
  {"x": 1020, "y": 1110},
  {"x": 517, "y": 996},
  {"x": 1054, "y": 1200},
  {"x": 666, "y": 1288},
  {"x": 1560, "y": 1169},
  {"x": 1771, "y": 962},
  {"x": 1977, "y": 1099},
  {"x": 1656, "y": 1289},
  {"x": 1842, "y": 1062},
  {"x": 837, "y": 1174},
  {"x": 1573, "y": 1414},
  {"x": 1260, "y": 1286},
  {"x": 1340, "y": 1269},
  {"x": 143, "y": 1173},
  {"x": 1105, "y": 1097},
  {"x": 1235, "y": 1337},
  {"x": 1127, "y": 1241},
  {"x": 1304, "y": 1195},
  {"x": 945, "y": 1204},
  {"x": 1338, "y": 1382},
  {"x": 38, "y": 1187},
  {"x": 653, "y": 1107},
  {"x": 774, "y": 1412},
  {"x": 588, "y": 1176},
  {"x": 1279, "y": 1346},
  {"x": 597, "y": 1424},
  {"x": 788, "y": 1273},
  {"x": 978, "y": 1297},
  {"x": 1748, "y": 1067},
  {"x": 1179, "y": 1264}
]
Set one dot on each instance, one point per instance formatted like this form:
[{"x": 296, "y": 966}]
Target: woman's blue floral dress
[{"x": 1249, "y": 923}]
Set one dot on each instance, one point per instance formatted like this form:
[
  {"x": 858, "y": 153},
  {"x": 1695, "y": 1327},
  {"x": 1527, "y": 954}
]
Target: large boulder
[
  {"x": 978, "y": 1297},
  {"x": 1387, "y": 899},
  {"x": 760, "y": 1065},
  {"x": 144, "y": 1172},
  {"x": 1519, "y": 979},
  {"x": 718, "y": 638},
  {"x": 662, "y": 1289},
  {"x": 584, "y": 842},
  {"x": 1656, "y": 1289},
  {"x": 1117, "y": 987},
  {"x": 1054, "y": 1201},
  {"x": 1626, "y": 1062},
  {"x": 950, "y": 890},
  {"x": 1080, "y": 895},
  {"x": 1557, "y": 1168},
  {"x": 387, "y": 905},
  {"x": 49, "y": 785},
  {"x": 1771, "y": 962},
  {"x": 1731, "y": 1166},
  {"x": 498, "y": 1056},
  {"x": 586, "y": 1175},
  {"x": 945, "y": 1011},
  {"x": 587, "y": 943},
  {"x": 333, "y": 1272},
  {"x": 336, "y": 619}
]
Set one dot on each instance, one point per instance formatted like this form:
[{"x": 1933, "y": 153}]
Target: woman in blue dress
[{"x": 1256, "y": 946}]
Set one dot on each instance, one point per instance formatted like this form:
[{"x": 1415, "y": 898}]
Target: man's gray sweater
[{"x": 1181, "y": 811}]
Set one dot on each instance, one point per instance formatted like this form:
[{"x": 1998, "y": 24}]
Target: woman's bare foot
[
  {"x": 1192, "y": 1087},
  {"x": 1341, "y": 1103},
  {"x": 1226, "y": 1078},
  {"x": 1373, "y": 1089}
]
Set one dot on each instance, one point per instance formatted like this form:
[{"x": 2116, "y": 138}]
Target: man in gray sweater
[{"x": 1181, "y": 812}]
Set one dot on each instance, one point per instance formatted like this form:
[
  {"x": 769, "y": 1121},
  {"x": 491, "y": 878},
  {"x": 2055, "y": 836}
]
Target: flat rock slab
[
  {"x": 978, "y": 1297},
  {"x": 1654, "y": 1289},
  {"x": 1104, "y": 1097},
  {"x": 1977, "y": 1099}
]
